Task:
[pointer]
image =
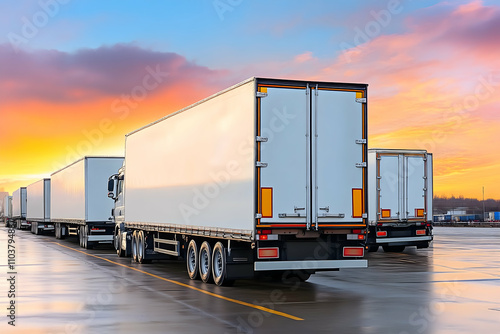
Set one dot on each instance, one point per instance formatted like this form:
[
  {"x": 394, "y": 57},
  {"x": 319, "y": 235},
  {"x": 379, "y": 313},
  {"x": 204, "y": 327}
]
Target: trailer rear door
[
  {"x": 311, "y": 156},
  {"x": 415, "y": 186},
  {"x": 402, "y": 186}
]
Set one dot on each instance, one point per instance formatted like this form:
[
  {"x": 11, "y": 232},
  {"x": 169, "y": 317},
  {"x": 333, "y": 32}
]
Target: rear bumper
[
  {"x": 404, "y": 239},
  {"x": 101, "y": 238},
  {"x": 309, "y": 265}
]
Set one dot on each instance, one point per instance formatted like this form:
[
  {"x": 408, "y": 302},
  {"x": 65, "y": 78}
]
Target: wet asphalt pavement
[{"x": 452, "y": 287}]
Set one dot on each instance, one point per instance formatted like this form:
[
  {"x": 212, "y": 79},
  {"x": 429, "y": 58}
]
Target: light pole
[{"x": 483, "y": 205}]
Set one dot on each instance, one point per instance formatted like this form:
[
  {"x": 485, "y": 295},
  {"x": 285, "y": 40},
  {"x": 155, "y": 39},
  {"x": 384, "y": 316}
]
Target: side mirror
[
  {"x": 111, "y": 195},
  {"x": 111, "y": 185}
]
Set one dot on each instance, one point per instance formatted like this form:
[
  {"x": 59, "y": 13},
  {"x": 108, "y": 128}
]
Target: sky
[{"x": 76, "y": 76}]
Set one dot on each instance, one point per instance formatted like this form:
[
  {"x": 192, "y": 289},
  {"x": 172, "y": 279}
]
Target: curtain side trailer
[
  {"x": 38, "y": 206},
  {"x": 78, "y": 203},
  {"x": 400, "y": 199},
  {"x": 268, "y": 176}
]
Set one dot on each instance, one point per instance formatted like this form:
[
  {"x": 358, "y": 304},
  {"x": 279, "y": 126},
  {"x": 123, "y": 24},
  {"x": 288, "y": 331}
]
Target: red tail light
[
  {"x": 381, "y": 233},
  {"x": 268, "y": 253},
  {"x": 354, "y": 251}
]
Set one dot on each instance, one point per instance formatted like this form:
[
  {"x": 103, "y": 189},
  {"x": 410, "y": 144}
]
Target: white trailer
[
  {"x": 7, "y": 210},
  {"x": 266, "y": 176},
  {"x": 400, "y": 199},
  {"x": 38, "y": 206},
  {"x": 78, "y": 202},
  {"x": 19, "y": 209}
]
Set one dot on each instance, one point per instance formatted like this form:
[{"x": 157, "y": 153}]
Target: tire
[
  {"x": 141, "y": 247},
  {"x": 134, "y": 246},
  {"x": 59, "y": 231},
  {"x": 192, "y": 260},
  {"x": 118, "y": 243},
  {"x": 88, "y": 244},
  {"x": 80, "y": 235},
  {"x": 219, "y": 266},
  {"x": 205, "y": 259},
  {"x": 393, "y": 249},
  {"x": 373, "y": 248}
]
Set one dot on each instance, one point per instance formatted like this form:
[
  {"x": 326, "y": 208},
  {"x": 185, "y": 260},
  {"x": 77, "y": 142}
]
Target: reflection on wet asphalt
[{"x": 452, "y": 287}]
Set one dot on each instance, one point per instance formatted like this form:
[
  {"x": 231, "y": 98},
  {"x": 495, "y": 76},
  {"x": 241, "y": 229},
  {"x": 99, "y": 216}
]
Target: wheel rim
[
  {"x": 191, "y": 260},
  {"x": 204, "y": 262},
  {"x": 117, "y": 239},
  {"x": 217, "y": 264},
  {"x": 134, "y": 247},
  {"x": 140, "y": 246}
]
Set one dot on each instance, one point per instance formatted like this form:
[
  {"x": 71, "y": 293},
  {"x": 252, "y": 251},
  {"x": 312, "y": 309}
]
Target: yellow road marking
[{"x": 264, "y": 309}]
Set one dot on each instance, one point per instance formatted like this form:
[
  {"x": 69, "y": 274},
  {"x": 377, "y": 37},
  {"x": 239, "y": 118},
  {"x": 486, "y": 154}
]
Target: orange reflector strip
[
  {"x": 353, "y": 251},
  {"x": 359, "y": 95},
  {"x": 268, "y": 253},
  {"x": 266, "y": 195},
  {"x": 419, "y": 212},
  {"x": 381, "y": 233},
  {"x": 386, "y": 213},
  {"x": 263, "y": 89},
  {"x": 420, "y": 232},
  {"x": 357, "y": 203}
]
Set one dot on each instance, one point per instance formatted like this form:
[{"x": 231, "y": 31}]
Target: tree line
[{"x": 473, "y": 206}]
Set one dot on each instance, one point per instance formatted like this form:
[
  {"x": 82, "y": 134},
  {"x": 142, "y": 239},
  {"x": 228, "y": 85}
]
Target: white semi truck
[
  {"x": 400, "y": 199},
  {"x": 38, "y": 206},
  {"x": 78, "y": 202},
  {"x": 7, "y": 210},
  {"x": 266, "y": 176},
  {"x": 19, "y": 209}
]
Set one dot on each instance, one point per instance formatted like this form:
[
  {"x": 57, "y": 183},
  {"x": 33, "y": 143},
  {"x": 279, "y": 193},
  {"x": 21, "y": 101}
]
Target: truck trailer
[
  {"x": 38, "y": 206},
  {"x": 268, "y": 176},
  {"x": 19, "y": 209},
  {"x": 7, "y": 210},
  {"x": 400, "y": 199},
  {"x": 78, "y": 202}
]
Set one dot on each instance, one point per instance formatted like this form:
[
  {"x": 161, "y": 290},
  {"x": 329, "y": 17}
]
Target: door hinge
[
  {"x": 261, "y": 139},
  {"x": 261, "y": 164},
  {"x": 258, "y": 215},
  {"x": 360, "y": 141},
  {"x": 364, "y": 215},
  {"x": 360, "y": 164},
  {"x": 260, "y": 94},
  {"x": 361, "y": 99}
]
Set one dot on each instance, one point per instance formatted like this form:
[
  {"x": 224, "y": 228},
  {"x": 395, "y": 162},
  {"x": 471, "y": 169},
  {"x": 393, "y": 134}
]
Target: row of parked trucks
[{"x": 268, "y": 176}]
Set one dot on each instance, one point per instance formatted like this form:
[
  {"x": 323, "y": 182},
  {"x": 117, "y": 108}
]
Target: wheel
[
  {"x": 219, "y": 267},
  {"x": 80, "y": 235},
  {"x": 205, "y": 262},
  {"x": 118, "y": 243},
  {"x": 393, "y": 249},
  {"x": 373, "y": 248},
  {"x": 88, "y": 244},
  {"x": 134, "y": 246},
  {"x": 192, "y": 262},
  {"x": 58, "y": 231},
  {"x": 141, "y": 248}
]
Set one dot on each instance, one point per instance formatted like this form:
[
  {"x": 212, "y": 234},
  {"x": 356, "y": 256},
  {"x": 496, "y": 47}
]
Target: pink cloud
[{"x": 87, "y": 74}]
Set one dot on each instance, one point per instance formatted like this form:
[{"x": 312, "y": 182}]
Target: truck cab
[{"x": 115, "y": 192}]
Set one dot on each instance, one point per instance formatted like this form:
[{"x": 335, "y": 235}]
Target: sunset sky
[{"x": 76, "y": 76}]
